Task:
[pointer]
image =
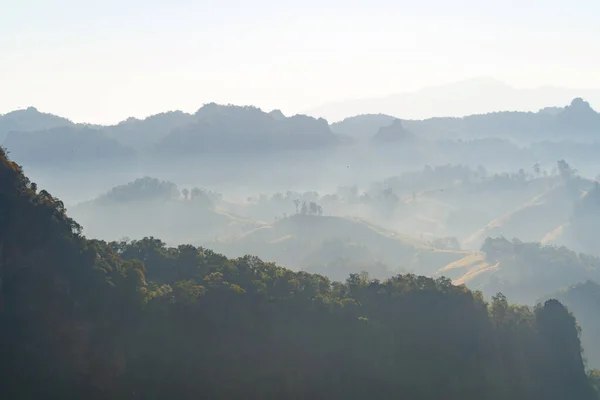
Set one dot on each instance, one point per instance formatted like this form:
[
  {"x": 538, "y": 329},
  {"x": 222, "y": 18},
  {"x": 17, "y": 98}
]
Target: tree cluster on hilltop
[{"x": 87, "y": 319}]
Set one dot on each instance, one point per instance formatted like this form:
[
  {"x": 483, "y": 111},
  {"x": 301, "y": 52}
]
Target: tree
[
  {"x": 565, "y": 170},
  {"x": 304, "y": 209},
  {"x": 537, "y": 170},
  {"x": 312, "y": 208},
  {"x": 594, "y": 378},
  {"x": 196, "y": 193}
]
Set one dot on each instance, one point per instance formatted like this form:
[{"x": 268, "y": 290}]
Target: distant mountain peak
[
  {"x": 130, "y": 120},
  {"x": 480, "y": 95},
  {"x": 579, "y": 116},
  {"x": 580, "y": 104},
  {"x": 395, "y": 132},
  {"x": 480, "y": 81},
  {"x": 277, "y": 114},
  {"x": 579, "y": 108},
  {"x": 29, "y": 110}
]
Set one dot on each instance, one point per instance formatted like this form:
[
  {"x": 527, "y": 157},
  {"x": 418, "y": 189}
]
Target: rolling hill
[
  {"x": 302, "y": 240},
  {"x": 524, "y": 271},
  {"x": 151, "y": 207}
]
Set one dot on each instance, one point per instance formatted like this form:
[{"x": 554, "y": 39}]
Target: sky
[{"x": 103, "y": 61}]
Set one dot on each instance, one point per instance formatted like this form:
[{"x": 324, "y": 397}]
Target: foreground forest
[{"x": 82, "y": 318}]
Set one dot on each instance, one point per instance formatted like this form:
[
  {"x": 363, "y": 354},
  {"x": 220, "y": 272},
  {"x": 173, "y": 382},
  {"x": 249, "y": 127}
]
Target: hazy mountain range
[
  {"x": 223, "y": 144},
  {"x": 472, "y": 96}
]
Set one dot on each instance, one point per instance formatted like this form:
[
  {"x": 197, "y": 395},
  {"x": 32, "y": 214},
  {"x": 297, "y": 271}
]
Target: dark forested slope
[
  {"x": 87, "y": 319},
  {"x": 584, "y": 300}
]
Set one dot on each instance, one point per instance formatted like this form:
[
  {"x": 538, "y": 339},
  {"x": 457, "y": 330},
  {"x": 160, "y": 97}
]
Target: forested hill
[
  {"x": 84, "y": 319},
  {"x": 44, "y": 139},
  {"x": 576, "y": 121},
  {"x": 48, "y": 140}
]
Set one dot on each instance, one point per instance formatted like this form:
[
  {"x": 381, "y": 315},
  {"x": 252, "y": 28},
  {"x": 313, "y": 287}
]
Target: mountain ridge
[{"x": 455, "y": 99}]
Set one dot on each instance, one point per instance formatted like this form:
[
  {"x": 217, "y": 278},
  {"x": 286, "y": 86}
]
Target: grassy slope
[
  {"x": 532, "y": 221},
  {"x": 291, "y": 240}
]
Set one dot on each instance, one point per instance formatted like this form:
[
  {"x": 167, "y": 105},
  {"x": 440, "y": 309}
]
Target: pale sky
[{"x": 102, "y": 61}]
